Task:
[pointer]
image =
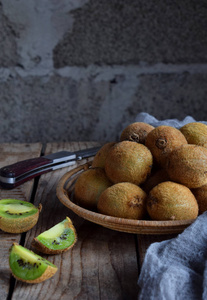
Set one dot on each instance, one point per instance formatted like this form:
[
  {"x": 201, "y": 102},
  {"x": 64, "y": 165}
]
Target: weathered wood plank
[
  {"x": 102, "y": 264},
  {"x": 11, "y": 153}
]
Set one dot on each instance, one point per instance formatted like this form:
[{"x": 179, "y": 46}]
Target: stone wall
[{"x": 78, "y": 70}]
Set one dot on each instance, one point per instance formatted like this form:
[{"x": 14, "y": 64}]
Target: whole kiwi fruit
[
  {"x": 171, "y": 201},
  {"x": 136, "y": 132},
  {"x": 201, "y": 197},
  {"x": 154, "y": 179},
  {"x": 162, "y": 140},
  {"x": 88, "y": 187},
  {"x": 128, "y": 162},
  {"x": 100, "y": 157},
  {"x": 188, "y": 165},
  {"x": 195, "y": 133},
  {"x": 123, "y": 200}
]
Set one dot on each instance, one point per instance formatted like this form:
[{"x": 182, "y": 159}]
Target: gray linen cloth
[
  {"x": 147, "y": 118},
  {"x": 176, "y": 269}
]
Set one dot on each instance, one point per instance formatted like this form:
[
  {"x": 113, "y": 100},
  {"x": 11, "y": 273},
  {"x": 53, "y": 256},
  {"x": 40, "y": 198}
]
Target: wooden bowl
[{"x": 64, "y": 193}]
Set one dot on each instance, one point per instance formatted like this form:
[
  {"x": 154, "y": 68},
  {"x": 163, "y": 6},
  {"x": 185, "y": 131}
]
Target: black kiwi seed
[
  {"x": 63, "y": 236},
  {"x": 12, "y": 214},
  {"x": 24, "y": 264},
  {"x": 55, "y": 242},
  {"x": 20, "y": 262}
]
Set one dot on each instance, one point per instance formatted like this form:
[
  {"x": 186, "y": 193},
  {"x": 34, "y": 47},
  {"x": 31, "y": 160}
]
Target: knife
[{"x": 13, "y": 175}]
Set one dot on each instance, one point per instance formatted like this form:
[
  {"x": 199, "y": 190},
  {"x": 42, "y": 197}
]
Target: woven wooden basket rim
[{"x": 120, "y": 224}]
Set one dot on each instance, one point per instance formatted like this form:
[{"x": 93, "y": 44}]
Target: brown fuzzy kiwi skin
[
  {"x": 201, "y": 197},
  {"x": 128, "y": 162},
  {"x": 154, "y": 179},
  {"x": 49, "y": 272},
  {"x": 188, "y": 165},
  {"x": 43, "y": 249},
  {"x": 20, "y": 225},
  {"x": 136, "y": 132},
  {"x": 88, "y": 187},
  {"x": 123, "y": 200},
  {"x": 100, "y": 157},
  {"x": 195, "y": 133},
  {"x": 171, "y": 201},
  {"x": 162, "y": 140}
]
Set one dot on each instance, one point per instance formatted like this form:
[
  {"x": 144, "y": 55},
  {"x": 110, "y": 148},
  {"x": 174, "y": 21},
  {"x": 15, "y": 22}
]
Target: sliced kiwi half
[
  {"x": 57, "y": 239},
  {"x": 18, "y": 216},
  {"x": 29, "y": 267}
]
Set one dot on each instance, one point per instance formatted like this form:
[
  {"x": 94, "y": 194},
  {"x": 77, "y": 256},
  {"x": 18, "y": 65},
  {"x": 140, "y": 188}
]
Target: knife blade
[{"x": 15, "y": 174}]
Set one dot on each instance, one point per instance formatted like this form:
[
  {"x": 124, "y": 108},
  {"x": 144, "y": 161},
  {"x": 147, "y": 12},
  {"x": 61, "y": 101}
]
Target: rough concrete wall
[
  {"x": 8, "y": 34},
  {"x": 130, "y": 32},
  {"x": 74, "y": 70}
]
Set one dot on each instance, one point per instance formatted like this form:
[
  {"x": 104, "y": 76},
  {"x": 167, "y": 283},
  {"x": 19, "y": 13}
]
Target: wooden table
[{"x": 103, "y": 264}]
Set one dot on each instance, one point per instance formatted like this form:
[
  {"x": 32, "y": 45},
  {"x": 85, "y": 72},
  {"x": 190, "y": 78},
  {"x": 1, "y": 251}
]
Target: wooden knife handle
[{"x": 25, "y": 166}]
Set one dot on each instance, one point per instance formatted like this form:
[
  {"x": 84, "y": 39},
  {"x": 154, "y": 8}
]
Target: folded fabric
[
  {"x": 177, "y": 268},
  {"x": 147, "y": 118}
]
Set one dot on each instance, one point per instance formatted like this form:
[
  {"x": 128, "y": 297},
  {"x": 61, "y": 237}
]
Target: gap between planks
[
  {"x": 96, "y": 246},
  {"x": 11, "y": 153},
  {"x": 103, "y": 263}
]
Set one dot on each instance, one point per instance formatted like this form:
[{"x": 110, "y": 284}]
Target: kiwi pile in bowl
[{"x": 149, "y": 174}]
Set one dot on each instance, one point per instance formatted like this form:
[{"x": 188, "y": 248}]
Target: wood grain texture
[
  {"x": 11, "y": 153},
  {"x": 101, "y": 265}
]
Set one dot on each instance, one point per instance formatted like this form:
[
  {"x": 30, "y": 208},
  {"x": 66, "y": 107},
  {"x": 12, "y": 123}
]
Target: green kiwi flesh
[
  {"x": 18, "y": 216},
  {"x": 57, "y": 239},
  {"x": 29, "y": 267}
]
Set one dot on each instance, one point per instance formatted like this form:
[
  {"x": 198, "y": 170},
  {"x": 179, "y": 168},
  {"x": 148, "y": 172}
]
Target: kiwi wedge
[
  {"x": 18, "y": 216},
  {"x": 57, "y": 239},
  {"x": 29, "y": 267}
]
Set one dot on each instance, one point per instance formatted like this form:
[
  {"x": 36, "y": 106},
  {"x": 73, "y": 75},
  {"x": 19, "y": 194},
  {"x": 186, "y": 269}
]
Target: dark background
[{"x": 82, "y": 70}]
